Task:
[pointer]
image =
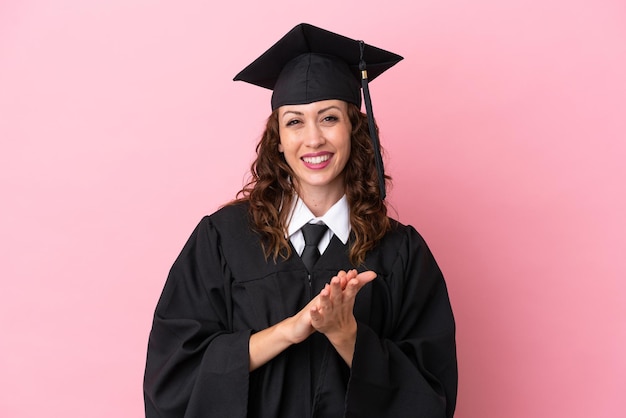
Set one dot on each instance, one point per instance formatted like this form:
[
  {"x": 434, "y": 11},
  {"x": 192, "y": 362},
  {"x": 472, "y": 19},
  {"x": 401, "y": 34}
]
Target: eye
[
  {"x": 293, "y": 122},
  {"x": 330, "y": 118}
]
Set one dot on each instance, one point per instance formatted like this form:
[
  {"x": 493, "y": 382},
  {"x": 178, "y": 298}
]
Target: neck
[{"x": 320, "y": 200}]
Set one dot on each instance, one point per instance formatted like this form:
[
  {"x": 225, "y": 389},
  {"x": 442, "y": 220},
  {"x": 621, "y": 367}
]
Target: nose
[{"x": 314, "y": 136}]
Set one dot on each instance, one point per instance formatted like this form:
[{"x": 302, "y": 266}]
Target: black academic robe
[{"x": 221, "y": 289}]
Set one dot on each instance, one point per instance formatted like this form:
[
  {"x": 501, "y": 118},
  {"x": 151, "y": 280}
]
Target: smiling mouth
[{"x": 316, "y": 160}]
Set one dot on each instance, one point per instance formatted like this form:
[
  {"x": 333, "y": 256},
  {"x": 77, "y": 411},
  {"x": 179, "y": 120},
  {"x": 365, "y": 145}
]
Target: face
[{"x": 315, "y": 139}]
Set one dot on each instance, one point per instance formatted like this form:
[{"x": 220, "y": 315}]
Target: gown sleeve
[
  {"x": 195, "y": 365},
  {"x": 413, "y": 370}
]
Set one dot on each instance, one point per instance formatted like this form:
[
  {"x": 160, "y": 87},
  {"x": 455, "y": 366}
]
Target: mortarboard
[{"x": 310, "y": 64}]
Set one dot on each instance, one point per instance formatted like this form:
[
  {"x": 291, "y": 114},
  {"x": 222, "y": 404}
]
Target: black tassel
[{"x": 370, "y": 117}]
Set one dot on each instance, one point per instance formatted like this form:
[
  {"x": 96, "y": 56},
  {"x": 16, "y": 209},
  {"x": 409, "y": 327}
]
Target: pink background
[{"x": 505, "y": 131}]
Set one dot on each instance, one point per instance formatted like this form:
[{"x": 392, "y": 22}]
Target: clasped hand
[{"x": 331, "y": 311}]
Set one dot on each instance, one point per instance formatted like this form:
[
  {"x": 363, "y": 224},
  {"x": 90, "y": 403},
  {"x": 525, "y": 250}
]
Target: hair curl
[{"x": 270, "y": 192}]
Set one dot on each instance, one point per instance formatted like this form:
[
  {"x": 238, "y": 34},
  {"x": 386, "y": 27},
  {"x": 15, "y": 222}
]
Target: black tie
[{"x": 312, "y": 235}]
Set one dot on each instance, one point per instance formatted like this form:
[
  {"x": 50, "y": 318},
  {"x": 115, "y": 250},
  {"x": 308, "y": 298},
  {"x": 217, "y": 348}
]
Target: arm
[
  {"x": 268, "y": 343},
  {"x": 408, "y": 366},
  {"x": 329, "y": 313},
  {"x": 195, "y": 362}
]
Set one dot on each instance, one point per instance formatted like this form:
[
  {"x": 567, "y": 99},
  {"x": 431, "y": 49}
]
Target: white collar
[{"x": 337, "y": 218}]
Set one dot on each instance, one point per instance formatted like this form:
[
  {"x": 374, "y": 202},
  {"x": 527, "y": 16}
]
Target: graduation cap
[{"x": 310, "y": 64}]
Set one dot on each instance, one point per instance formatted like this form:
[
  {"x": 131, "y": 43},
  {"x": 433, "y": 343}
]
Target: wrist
[
  {"x": 344, "y": 337},
  {"x": 281, "y": 332},
  {"x": 293, "y": 330}
]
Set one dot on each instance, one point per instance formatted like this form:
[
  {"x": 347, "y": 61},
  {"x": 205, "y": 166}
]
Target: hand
[
  {"x": 299, "y": 326},
  {"x": 333, "y": 315},
  {"x": 268, "y": 343},
  {"x": 333, "y": 311},
  {"x": 327, "y": 311}
]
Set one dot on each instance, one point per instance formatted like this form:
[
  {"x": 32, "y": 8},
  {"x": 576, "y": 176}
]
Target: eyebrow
[{"x": 319, "y": 112}]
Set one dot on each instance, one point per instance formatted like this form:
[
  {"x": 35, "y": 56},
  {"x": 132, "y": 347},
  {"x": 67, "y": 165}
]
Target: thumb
[
  {"x": 365, "y": 277},
  {"x": 355, "y": 284}
]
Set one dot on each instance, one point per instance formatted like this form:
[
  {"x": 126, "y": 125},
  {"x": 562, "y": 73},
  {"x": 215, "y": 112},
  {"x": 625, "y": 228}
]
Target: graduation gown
[{"x": 221, "y": 289}]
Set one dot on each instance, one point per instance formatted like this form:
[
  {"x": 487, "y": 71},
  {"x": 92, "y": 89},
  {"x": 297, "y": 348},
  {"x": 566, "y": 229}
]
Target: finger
[
  {"x": 357, "y": 283},
  {"x": 336, "y": 289},
  {"x": 316, "y": 318},
  {"x": 324, "y": 301},
  {"x": 352, "y": 289},
  {"x": 365, "y": 277},
  {"x": 344, "y": 277},
  {"x": 343, "y": 281},
  {"x": 315, "y": 314},
  {"x": 325, "y": 292}
]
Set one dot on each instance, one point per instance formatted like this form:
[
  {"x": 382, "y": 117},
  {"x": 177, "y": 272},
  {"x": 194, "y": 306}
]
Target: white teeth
[{"x": 316, "y": 160}]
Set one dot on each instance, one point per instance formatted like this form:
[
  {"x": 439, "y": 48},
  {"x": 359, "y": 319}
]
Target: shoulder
[
  {"x": 400, "y": 246},
  {"x": 231, "y": 216},
  {"x": 402, "y": 233},
  {"x": 232, "y": 224},
  {"x": 232, "y": 234},
  {"x": 230, "y": 221}
]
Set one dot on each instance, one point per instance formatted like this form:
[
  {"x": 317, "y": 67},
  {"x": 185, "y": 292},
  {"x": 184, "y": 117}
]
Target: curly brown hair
[{"x": 270, "y": 192}]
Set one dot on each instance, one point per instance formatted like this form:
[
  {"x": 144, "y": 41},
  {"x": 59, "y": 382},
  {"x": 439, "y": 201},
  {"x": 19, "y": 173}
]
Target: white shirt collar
[{"x": 337, "y": 218}]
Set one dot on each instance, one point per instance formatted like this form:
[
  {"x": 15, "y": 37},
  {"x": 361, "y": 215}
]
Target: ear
[{"x": 280, "y": 148}]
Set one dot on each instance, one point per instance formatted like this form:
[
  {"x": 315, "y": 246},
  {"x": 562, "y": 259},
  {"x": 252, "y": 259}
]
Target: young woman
[{"x": 302, "y": 298}]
